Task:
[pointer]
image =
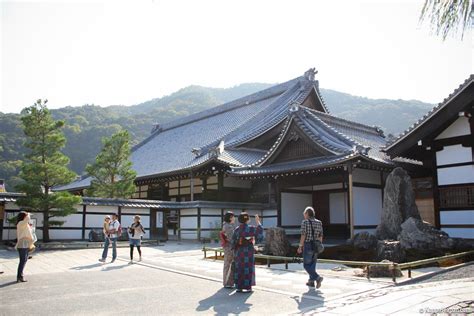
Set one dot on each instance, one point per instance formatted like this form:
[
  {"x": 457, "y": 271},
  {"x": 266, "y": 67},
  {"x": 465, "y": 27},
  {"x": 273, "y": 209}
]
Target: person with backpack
[
  {"x": 115, "y": 231},
  {"x": 311, "y": 234},
  {"x": 243, "y": 240},
  {"x": 136, "y": 232},
  {"x": 228, "y": 228}
]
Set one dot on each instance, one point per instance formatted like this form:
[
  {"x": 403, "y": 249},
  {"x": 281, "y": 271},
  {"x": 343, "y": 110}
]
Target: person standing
[
  {"x": 136, "y": 232},
  {"x": 114, "y": 233},
  {"x": 25, "y": 242},
  {"x": 228, "y": 228},
  {"x": 311, "y": 229},
  {"x": 243, "y": 240}
]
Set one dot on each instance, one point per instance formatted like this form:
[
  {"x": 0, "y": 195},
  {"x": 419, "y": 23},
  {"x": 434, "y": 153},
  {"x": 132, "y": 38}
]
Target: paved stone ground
[{"x": 175, "y": 279}]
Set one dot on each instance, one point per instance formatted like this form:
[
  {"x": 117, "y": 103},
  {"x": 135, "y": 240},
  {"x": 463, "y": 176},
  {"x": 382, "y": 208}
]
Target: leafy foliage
[
  {"x": 45, "y": 167},
  {"x": 85, "y": 126},
  {"x": 447, "y": 16},
  {"x": 112, "y": 174}
]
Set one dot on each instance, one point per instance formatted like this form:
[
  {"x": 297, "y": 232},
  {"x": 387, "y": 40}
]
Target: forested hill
[{"x": 86, "y": 125}]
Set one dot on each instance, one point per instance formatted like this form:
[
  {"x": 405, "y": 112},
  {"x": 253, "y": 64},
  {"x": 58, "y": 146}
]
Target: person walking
[
  {"x": 228, "y": 228},
  {"x": 114, "y": 233},
  {"x": 25, "y": 242},
  {"x": 311, "y": 229},
  {"x": 243, "y": 240},
  {"x": 136, "y": 232}
]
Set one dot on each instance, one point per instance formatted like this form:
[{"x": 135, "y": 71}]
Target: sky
[{"x": 127, "y": 52}]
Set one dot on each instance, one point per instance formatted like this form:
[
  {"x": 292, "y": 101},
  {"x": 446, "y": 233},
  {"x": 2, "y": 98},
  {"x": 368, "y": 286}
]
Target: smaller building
[{"x": 443, "y": 140}]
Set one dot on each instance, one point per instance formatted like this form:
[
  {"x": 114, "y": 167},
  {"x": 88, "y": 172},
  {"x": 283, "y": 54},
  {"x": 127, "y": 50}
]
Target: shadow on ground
[{"x": 225, "y": 302}]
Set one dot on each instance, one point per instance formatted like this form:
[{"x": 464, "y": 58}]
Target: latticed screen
[{"x": 456, "y": 197}]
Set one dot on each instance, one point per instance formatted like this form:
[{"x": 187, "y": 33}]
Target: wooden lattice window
[{"x": 456, "y": 197}]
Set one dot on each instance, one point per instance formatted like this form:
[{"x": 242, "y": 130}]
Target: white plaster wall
[
  {"x": 292, "y": 207},
  {"x": 188, "y": 222},
  {"x": 127, "y": 210},
  {"x": 188, "y": 235},
  {"x": 366, "y": 176},
  {"x": 367, "y": 206},
  {"x": 191, "y": 211},
  {"x": 270, "y": 222},
  {"x": 455, "y": 175},
  {"x": 231, "y": 182},
  {"x": 101, "y": 209},
  {"x": 453, "y": 154},
  {"x": 460, "y": 127},
  {"x": 338, "y": 212},
  {"x": 211, "y": 211},
  {"x": 74, "y": 220},
  {"x": 65, "y": 234},
  {"x": 211, "y": 222},
  {"x": 93, "y": 220},
  {"x": 462, "y": 217},
  {"x": 269, "y": 212},
  {"x": 460, "y": 232}
]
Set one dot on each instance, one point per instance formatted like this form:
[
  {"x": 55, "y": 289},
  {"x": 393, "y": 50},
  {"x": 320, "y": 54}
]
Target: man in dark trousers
[{"x": 311, "y": 229}]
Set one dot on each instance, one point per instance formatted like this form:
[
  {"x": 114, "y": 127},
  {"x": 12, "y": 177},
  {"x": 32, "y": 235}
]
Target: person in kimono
[
  {"x": 243, "y": 240},
  {"x": 228, "y": 228}
]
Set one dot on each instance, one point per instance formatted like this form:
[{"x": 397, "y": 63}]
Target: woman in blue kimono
[{"x": 243, "y": 240}]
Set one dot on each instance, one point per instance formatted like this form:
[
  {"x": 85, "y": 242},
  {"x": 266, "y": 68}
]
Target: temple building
[
  {"x": 271, "y": 153},
  {"x": 443, "y": 140}
]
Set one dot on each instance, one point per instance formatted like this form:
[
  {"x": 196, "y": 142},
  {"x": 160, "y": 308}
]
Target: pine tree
[
  {"x": 45, "y": 167},
  {"x": 112, "y": 174}
]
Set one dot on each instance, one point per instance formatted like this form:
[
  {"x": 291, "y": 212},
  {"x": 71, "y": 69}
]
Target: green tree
[
  {"x": 446, "y": 16},
  {"x": 112, "y": 174},
  {"x": 45, "y": 167}
]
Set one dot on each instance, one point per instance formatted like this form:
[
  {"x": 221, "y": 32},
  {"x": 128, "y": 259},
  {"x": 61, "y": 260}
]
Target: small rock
[
  {"x": 364, "y": 240},
  {"x": 390, "y": 250},
  {"x": 383, "y": 271}
]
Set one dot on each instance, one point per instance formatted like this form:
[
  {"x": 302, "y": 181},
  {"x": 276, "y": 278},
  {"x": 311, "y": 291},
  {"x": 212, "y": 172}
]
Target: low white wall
[{"x": 461, "y": 217}]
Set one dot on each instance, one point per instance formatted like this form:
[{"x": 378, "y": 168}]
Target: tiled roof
[
  {"x": 220, "y": 134},
  {"x": 433, "y": 112},
  {"x": 300, "y": 165}
]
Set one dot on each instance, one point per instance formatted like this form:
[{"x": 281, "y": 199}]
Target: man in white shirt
[{"x": 114, "y": 231}]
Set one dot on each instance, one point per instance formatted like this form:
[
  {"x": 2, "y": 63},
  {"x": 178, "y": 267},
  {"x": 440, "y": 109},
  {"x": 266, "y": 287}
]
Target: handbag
[{"x": 317, "y": 244}]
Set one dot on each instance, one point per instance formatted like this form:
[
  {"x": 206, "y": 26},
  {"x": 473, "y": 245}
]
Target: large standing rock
[
  {"x": 364, "y": 240},
  {"x": 416, "y": 234},
  {"x": 398, "y": 204},
  {"x": 276, "y": 242},
  {"x": 390, "y": 250}
]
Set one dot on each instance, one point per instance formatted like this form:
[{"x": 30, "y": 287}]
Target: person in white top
[
  {"x": 25, "y": 242},
  {"x": 136, "y": 232},
  {"x": 114, "y": 232}
]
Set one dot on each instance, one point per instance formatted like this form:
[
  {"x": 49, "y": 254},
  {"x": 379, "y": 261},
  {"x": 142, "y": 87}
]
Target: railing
[{"x": 393, "y": 266}]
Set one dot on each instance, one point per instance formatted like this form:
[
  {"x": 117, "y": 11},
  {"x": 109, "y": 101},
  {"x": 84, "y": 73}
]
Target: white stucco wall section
[
  {"x": 292, "y": 207},
  {"x": 460, "y": 232},
  {"x": 367, "y": 206},
  {"x": 461, "y": 217},
  {"x": 453, "y": 154},
  {"x": 338, "y": 213},
  {"x": 460, "y": 127},
  {"x": 455, "y": 175}
]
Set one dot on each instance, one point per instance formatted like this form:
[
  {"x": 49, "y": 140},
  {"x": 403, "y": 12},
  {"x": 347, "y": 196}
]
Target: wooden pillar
[
  {"x": 278, "y": 198},
  {"x": 434, "y": 175},
  {"x": 192, "y": 185},
  {"x": 350, "y": 198},
  {"x": 199, "y": 224},
  {"x": 119, "y": 214},
  {"x": 2, "y": 217},
  {"x": 84, "y": 210}
]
